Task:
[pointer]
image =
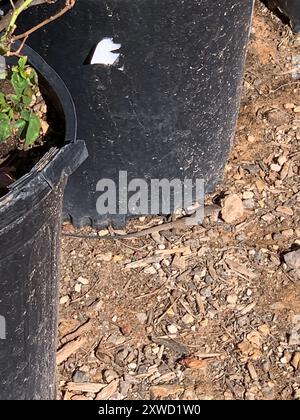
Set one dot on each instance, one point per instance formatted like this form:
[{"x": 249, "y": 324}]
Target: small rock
[
  {"x": 292, "y": 259},
  {"x": 132, "y": 366},
  {"x": 110, "y": 375},
  {"x": 287, "y": 233},
  {"x": 247, "y": 195},
  {"x": 187, "y": 319},
  {"x": 269, "y": 218},
  {"x": 232, "y": 209},
  {"x": 172, "y": 329},
  {"x": 103, "y": 232},
  {"x": 275, "y": 167},
  {"x": 64, "y": 299},
  {"x": 254, "y": 338},
  {"x": 179, "y": 262},
  {"x": 295, "y": 362},
  {"x": 294, "y": 338},
  {"x": 281, "y": 160},
  {"x": 44, "y": 126},
  {"x": 249, "y": 204},
  {"x": 82, "y": 280},
  {"x": 297, "y": 109},
  {"x": 142, "y": 317},
  {"x": 285, "y": 210},
  {"x": 264, "y": 330},
  {"x": 295, "y": 274},
  {"x": 77, "y": 287},
  {"x": 252, "y": 371},
  {"x": 289, "y": 106},
  {"x": 206, "y": 292},
  {"x": 80, "y": 376},
  {"x": 278, "y": 117},
  {"x": 106, "y": 257},
  {"x": 150, "y": 270},
  {"x": 232, "y": 299}
]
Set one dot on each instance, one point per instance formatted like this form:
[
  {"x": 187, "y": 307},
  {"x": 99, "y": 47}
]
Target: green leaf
[
  {"x": 2, "y": 99},
  {"x": 4, "y": 107},
  {"x": 25, "y": 114},
  {"x": 20, "y": 125},
  {"x": 5, "y": 128},
  {"x": 33, "y": 130},
  {"x": 19, "y": 84},
  {"x": 27, "y": 96},
  {"x": 22, "y": 62}
]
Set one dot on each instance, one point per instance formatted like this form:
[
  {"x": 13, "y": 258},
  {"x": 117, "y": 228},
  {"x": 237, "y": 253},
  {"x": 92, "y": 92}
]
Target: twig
[{"x": 69, "y": 5}]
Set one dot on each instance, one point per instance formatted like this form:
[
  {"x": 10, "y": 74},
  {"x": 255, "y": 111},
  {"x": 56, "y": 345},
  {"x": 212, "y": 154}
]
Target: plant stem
[{"x": 15, "y": 14}]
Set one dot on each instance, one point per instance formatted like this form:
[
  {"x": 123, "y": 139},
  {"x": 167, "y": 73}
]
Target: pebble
[
  {"x": 142, "y": 317},
  {"x": 232, "y": 209},
  {"x": 149, "y": 270},
  {"x": 80, "y": 376},
  {"x": 106, "y": 257},
  {"x": 103, "y": 232},
  {"x": 292, "y": 259},
  {"x": 132, "y": 366},
  {"x": 187, "y": 319},
  {"x": 289, "y": 106},
  {"x": 285, "y": 210},
  {"x": 264, "y": 329},
  {"x": 295, "y": 362},
  {"x": 247, "y": 195},
  {"x": 205, "y": 292},
  {"x": 172, "y": 329},
  {"x": 64, "y": 299},
  {"x": 83, "y": 281},
  {"x": 275, "y": 167},
  {"x": 232, "y": 299},
  {"x": 288, "y": 233},
  {"x": 249, "y": 204},
  {"x": 110, "y": 375},
  {"x": 281, "y": 160},
  {"x": 77, "y": 287}
]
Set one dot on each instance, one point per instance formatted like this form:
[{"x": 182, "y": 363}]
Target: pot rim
[{"x": 32, "y": 186}]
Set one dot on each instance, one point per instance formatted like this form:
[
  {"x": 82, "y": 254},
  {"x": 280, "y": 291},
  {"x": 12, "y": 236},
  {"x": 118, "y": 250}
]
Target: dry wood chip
[
  {"x": 162, "y": 391},
  {"x": 240, "y": 269},
  {"x": 77, "y": 333},
  {"x": 248, "y": 308},
  {"x": 171, "y": 344},
  {"x": 177, "y": 250},
  {"x": 108, "y": 391},
  {"x": 193, "y": 363},
  {"x": 144, "y": 262},
  {"x": 68, "y": 349},
  {"x": 252, "y": 371},
  {"x": 85, "y": 387}
]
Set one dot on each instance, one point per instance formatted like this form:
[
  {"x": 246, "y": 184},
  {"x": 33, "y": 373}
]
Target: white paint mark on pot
[{"x": 105, "y": 53}]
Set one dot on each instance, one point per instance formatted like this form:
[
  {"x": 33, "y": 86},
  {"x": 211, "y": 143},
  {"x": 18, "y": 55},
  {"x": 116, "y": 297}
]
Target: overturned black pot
[
  {"x": 30, "y": 224},
  {"x": 166, "y": 108}
]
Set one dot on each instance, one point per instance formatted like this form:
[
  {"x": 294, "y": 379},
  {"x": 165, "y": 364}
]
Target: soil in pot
[{"x": 17, "y": 160}]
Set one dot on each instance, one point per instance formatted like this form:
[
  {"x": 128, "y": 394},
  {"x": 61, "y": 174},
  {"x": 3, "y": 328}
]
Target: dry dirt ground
[{"x": 214, "y": 314}]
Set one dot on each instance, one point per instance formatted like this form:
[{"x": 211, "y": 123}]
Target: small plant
[
  {"x": 22, "y": 121},
  {"x": 16, "y": 115}
]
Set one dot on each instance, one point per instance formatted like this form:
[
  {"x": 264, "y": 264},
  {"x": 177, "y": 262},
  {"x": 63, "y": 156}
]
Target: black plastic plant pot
[
  {"x": 166, "y": 107},
  {"x": 30, "y": 225}
]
